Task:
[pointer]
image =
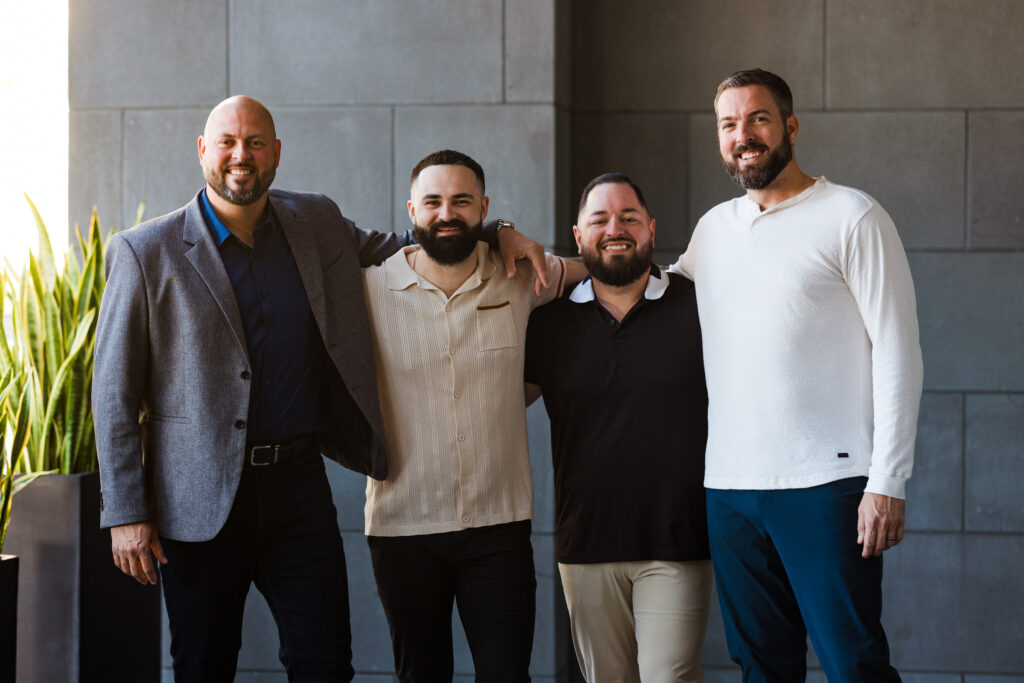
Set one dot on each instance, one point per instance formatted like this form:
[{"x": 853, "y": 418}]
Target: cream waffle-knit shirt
[
  {"x": 450, "y": 379},
  {"x": 811, "y": 346}
]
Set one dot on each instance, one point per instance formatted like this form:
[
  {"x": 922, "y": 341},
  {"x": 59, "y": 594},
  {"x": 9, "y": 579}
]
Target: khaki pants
[{"x": 636, "y": 622}]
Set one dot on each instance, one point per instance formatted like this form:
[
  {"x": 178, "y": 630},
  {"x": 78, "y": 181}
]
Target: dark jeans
[
  {"x": 282, "y": 534},
  {"x": 787, "y": 563},
  {"x": 487, "y": 571}
]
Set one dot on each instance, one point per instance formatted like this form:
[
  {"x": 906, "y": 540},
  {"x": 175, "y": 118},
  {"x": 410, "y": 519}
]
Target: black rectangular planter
[
  {"x": 8, "y": 616},
  {"x": 79, "y": 618}
]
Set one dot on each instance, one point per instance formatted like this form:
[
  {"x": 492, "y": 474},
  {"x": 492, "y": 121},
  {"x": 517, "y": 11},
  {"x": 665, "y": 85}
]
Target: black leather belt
[{"x": 299, "y": 448}]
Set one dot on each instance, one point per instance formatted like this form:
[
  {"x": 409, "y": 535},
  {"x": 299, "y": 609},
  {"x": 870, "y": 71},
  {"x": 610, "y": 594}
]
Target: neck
[
  {"x": 241, "y": 221},
  {"x": 791, "y": 182},
  {"x": 447, "y": 278},
  {"x": 620, "y": 300}
]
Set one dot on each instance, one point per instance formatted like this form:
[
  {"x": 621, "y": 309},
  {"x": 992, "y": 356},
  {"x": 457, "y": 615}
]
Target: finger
[
  {"x": 870, "y": 537},
  {"x": 510, "y": 263},
  {"x": 148, "y": 570},
  {"x": 135, "y": 570},
  {"x": 158, "y": 550},
  {"x": 540, "y": 265}
]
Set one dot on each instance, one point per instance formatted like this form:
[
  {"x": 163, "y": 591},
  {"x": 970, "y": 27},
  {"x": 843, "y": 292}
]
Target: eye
[
  {"x": 258, "y": 144},
  {"x": 431, "y": 202},
  {"x": 629, "y": 219}
]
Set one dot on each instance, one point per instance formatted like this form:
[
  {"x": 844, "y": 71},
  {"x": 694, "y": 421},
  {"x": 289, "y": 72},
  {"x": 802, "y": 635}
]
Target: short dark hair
[
  {"x": 604, "y": 178},
  {"x": 449, "y": 157},
  {"x": 776, "y": 86}
]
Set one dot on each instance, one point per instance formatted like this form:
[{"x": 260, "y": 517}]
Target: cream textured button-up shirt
[{"x": 450, "y": 378}]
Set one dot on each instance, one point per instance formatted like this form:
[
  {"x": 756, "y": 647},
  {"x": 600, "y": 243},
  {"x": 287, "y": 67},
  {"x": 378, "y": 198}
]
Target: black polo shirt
[{"x": 628, "y": 408}]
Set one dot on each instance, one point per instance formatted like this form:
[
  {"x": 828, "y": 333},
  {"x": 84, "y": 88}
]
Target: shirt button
[
  {"x": 465, "y": 480},
  {"x": 465, "y": 518},
  {"x": 246, "y": 374},
  {"x": 239, "y": 424},
  {"x": 451, "y": 351},
  {"x": 457, "y": 393},
  {"x": 447, "y": 307},
  {"x": 462, "y": 437}
]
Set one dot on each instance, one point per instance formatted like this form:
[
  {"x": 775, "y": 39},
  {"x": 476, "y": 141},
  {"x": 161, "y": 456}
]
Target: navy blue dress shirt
[{"x": 286, "y": 352}]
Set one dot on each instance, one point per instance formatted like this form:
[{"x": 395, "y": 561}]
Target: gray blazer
[{"x": 170, "y": 384}]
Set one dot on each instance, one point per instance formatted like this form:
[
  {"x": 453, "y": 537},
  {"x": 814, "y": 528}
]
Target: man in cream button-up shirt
[{"x": 452, "y": 521}]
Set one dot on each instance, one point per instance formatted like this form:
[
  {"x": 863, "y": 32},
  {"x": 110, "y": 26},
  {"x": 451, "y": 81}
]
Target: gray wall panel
[
  {"x": 147, "y": 53},
  {"x": 656, "y": 55},
  {"x": 344, "y": 153},
  {"x": 971, "y": 312},
  {"x": 935, "y": 491},
  {"x": 161, "y": 160},
  {"x": 944, "y": 53},
  {"x": 893, "y": 157},
  {"x": 529, "y": 50},
  {"x": 95, "y": 163},
  {"x": 996, "y": 168},
  {"x": 995, "y": 463},
  {"x": 386, "y": 51}
]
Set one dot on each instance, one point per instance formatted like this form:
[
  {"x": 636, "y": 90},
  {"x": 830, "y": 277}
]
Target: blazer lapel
[
  {"x": 202, "y": 253},
  {"x": 307, "y": 257}
]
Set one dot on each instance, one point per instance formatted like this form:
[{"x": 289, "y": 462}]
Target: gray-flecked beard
[
  {"x": 245, "y": 197},
  {"x": 760, "y": 177},
  {"x": 452, "y": 249}
]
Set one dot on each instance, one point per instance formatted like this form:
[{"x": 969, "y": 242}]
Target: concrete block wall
[{"x": 920, "y": 105}]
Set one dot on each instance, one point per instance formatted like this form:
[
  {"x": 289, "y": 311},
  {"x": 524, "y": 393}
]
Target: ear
[
  {"x": 412, "y": 211},
  {"x": 793, "y": 126},
  {"x": 485, "y": 202},
  {"x": 652, "y": 231},
  {"x": 201, "y": 145},
  {"x": 277, "y": 153},
  {"x": 576, "y": 234}
]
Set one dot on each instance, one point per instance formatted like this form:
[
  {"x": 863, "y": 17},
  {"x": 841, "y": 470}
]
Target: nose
[
  {"x": 240, "y": 152},
  {"x": 744, "y": 132},
  {"x": 445, "y": 212}
]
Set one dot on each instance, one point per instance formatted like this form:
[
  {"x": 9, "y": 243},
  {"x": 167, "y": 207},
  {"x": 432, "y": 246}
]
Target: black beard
[
  {"x": 760, "y": 177},
  {"x": 448, "y": 250},
  {"x": 619, "y": 271},
  {"x": 240, "y": 198}
]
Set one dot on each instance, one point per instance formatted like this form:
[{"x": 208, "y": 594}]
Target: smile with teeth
[
  {"x": 750, "y": 155},
  {"x": 239, "y": 171},
  {"x": 617, "y": 246}
]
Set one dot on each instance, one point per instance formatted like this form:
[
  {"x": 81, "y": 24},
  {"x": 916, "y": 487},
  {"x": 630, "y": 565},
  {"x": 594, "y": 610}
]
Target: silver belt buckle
[{"x": 252, "y": 455}]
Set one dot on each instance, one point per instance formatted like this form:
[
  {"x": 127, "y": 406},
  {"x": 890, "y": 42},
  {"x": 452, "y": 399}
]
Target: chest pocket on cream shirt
[{"x": 495, "y": 327}]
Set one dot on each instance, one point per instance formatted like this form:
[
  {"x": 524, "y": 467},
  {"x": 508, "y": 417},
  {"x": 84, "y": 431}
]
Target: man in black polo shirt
[{"x": 620, "y": 367}]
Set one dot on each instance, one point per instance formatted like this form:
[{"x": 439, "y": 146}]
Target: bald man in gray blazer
[{"x": 232, "y": 351}]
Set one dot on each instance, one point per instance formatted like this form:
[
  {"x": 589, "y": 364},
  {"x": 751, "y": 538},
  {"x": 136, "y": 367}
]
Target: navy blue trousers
[
  {"x": 788, "y": 565},
  {"x": 282, "y": 534}
]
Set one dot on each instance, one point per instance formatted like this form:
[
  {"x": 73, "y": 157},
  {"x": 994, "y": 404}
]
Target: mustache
[
  {"x": 752, "y": 147},
  {"x": 619, "y": 238},
  {"x": 451, "y": 223}
]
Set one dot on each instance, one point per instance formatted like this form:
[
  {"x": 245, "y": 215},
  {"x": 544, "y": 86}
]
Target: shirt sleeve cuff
[{"x": 886, "y": 485}]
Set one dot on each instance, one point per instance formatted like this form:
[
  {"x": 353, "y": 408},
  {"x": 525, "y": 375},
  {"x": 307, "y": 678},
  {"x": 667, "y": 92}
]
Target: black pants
[
  {"x": 487, "y": 571},
  {"x": 282, "y": 534}
]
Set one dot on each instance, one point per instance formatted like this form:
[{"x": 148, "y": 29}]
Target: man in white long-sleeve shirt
[{"x": 814, "y": 379}]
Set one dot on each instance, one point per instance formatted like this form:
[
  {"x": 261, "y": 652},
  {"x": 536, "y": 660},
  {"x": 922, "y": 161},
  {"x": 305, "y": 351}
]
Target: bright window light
[{"x": 34, "y": 121}]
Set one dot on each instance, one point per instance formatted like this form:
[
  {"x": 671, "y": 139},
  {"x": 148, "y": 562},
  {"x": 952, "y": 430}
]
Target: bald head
[
  {"x": 239, "y": 151},
  {"x": 238, "y": 106}
]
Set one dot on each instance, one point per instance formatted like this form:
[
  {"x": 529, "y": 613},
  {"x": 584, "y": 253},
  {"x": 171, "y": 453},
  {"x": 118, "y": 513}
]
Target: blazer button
[
  {"x": 239, "y": 424},
  {"x": 246, "y": 374}
]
